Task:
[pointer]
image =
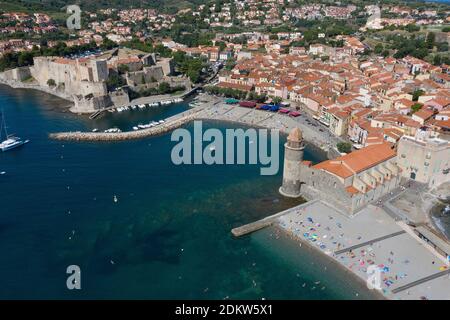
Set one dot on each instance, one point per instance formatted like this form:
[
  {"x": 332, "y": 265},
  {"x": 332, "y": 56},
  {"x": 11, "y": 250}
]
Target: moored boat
[{"x": 11, "y": 141}]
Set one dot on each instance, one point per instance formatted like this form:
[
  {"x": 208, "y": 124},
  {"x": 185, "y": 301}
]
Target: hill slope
[{"x": 90, "y": 5}]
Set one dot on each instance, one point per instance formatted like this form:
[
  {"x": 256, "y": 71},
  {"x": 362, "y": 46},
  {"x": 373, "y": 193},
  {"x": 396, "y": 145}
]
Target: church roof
[{"x": 357, "y": 161}]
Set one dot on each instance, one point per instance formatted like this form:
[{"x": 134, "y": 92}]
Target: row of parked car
[{"x": 269, "y": 107}]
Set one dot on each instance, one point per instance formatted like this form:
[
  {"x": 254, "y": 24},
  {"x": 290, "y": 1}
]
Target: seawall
[
  {"x": 169, "y": 125},
  {"x": 33, "y": 86}
]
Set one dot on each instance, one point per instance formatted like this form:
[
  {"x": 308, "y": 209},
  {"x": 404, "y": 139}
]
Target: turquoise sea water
[{"x": 168, "y": 236}]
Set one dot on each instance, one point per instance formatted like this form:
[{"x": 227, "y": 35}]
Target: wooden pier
[
  {"x": 146, "y": 101},
  {"x": 96, "y": 114}
]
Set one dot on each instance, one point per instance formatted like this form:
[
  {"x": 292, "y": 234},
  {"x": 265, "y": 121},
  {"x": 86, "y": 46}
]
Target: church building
[{"x": 348, "y": 182}]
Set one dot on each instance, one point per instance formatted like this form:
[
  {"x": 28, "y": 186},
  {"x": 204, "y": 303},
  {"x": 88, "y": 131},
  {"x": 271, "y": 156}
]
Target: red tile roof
[
  {"x": 357, "y": 161},
  {"x": 234, "y": 86}
]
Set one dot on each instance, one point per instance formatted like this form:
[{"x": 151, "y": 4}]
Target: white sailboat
[{"x": 11, "y": 141}]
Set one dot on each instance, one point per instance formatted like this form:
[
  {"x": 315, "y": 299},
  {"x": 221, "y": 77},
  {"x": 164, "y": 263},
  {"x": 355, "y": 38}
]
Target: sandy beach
[
  {"x": 265, "y": 119},
  {"x": 400, "y": 257}
]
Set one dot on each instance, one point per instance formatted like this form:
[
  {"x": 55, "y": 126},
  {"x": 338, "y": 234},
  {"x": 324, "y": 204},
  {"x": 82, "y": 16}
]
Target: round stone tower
[{"x": 293, "y": 156}]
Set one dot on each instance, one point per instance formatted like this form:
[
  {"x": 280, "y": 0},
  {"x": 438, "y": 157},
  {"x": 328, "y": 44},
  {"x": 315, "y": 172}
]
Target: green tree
[
  {"x": 437, "y": 60},
  {"x": 310, "y": 35},
  {"x": 344, "y": 147},
  {"x": 412, "y": 28},
  {"x": 378, "y": 48},
  {"x": 416, "y": 107},
  {"x": 416, "y": 94},
  {"x": 107, "y": 44},
  {"x": 222, "y": 46},
  {"x": 123, "y": 68},
  {"x": 431, "y": 37},
  {"x": 163, "y": 87},
  {"x": 114, "y": 81},
  {"x": 277, "y": 100},
  {"x": 442, "y": 46},
  {"x": 229, "y": 65},
  {"x": 51, "y": 83}
]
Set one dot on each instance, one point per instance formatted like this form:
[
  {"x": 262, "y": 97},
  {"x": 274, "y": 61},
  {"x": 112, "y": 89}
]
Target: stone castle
[
  {"x": 348, "y": 182},
  {"x": 82, "y": 80}
]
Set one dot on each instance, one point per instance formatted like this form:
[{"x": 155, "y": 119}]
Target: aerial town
[{"x": 368, "y": 85}]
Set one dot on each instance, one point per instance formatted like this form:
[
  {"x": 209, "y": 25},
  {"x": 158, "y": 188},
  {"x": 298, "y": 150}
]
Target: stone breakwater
[{"x": 169, "y": 125}]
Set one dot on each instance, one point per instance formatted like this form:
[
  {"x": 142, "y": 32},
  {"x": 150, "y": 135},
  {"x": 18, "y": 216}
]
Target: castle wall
[
  {"x": 119, "y": 98},
  {"x": 84, "y": 73},
  {"x": 148, "y": 73},
  {"x": 44, "y": 69},
  {"x": 178, "y": 81},
  {"x": 149, "y": 59},
  {"x": 167, "y": 66},
  {"x": 17, "y": 74},
  {"x": 90, "y": 103},
  {"x": 22, "y": 73},
  {"x": 133, "y": 66},
  {"x": 96, "y": 88},
  {"x": 77, "y": 78},
  {"x": 99, "y": 70}
]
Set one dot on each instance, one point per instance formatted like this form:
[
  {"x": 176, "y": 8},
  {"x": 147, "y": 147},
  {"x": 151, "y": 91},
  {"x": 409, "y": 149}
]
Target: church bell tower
[{"x": 293, "y": 157}]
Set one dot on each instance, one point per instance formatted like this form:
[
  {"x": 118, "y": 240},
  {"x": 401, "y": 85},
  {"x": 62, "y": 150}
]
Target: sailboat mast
[{"x": 3, "y": 126}]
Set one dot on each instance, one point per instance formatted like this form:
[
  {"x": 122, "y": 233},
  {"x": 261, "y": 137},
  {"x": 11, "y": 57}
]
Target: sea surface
[{"x": 168, "y": 235}]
